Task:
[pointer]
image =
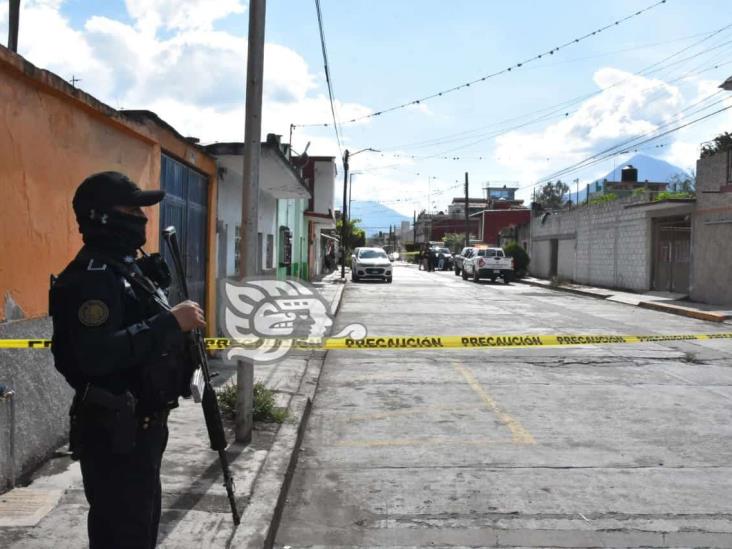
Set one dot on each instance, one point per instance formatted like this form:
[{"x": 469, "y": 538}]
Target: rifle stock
[{"x": 209, "y": 402}]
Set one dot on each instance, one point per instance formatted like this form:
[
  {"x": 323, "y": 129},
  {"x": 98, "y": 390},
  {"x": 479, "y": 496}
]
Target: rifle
[{"x": 209, "y": 403}]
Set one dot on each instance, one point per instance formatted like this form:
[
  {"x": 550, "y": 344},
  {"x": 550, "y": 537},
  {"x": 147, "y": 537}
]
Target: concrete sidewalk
[
  {"x": 666, "y": 302},
  {"x": 51, "y": 510}
]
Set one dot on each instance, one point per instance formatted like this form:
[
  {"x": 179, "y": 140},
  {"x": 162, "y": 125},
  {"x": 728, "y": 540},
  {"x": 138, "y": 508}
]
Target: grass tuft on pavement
[{"x": 264, "y": 403}]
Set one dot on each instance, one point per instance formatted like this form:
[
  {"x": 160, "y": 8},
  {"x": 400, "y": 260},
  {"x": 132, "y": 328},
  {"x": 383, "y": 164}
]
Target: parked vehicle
[
  {"x": 370, "y": 263},
  {"x": 443, "y": 258},
  {"x": 488, "y": 263},
  {"x": 459, "y": 258}
]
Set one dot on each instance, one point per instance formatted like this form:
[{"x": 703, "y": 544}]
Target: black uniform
[{"x": 122, "y": 353}]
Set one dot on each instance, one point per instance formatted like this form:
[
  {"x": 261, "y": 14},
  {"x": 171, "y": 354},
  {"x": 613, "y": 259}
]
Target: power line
[
  {"x": 556, "y": 108},
  {"x": 560, "y": 111},
  {"x": 599, "y": 157},
  {"x": 327, "y": 75},
  {"x": 487, "y": 76},
  {"x": 657, "y": 66}
]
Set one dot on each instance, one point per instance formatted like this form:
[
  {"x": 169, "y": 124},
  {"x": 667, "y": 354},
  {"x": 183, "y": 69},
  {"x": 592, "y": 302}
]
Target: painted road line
[{"x": 518, "y": 432}]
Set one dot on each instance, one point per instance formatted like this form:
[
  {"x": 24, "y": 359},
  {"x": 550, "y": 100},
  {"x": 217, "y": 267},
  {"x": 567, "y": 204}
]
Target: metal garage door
[{"x": 186, "y": 207}]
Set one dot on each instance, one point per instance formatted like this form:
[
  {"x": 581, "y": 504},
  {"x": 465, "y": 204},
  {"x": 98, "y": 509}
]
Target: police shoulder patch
[{"x": 93, "y": 312}]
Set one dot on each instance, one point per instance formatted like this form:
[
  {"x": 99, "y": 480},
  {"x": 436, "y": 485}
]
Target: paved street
[{"x": 622, "y": 446}]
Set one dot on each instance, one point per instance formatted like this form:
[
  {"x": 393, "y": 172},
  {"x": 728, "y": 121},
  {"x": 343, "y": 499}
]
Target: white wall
[
  {"x": 228, "y": 211},
  {"x": 324, "y": 188},
  {"x": 604, "y": 245}
]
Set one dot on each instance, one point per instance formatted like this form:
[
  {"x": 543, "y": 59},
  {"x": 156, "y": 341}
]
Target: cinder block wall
[
  {"x": 711, "y": 260},
  {"x": 604, "y": 245},
  {"x": 42, "y": 399}
]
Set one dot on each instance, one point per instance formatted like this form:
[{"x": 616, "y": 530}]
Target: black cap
[{"x": 105, "y": 190}]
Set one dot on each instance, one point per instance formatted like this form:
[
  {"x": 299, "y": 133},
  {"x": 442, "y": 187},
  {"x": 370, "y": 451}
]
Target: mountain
[
  {"x": 375, "y": 216},
  {"x": 649, "y": 169}
]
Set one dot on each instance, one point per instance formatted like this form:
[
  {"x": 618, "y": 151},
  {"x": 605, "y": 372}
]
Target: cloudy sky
[{"x": 186, "y": 59}]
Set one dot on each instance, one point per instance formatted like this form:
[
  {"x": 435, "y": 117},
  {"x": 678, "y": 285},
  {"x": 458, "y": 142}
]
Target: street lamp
[
  {"x": 344, "y": 213},
  {"x": 727, "y": 84}
]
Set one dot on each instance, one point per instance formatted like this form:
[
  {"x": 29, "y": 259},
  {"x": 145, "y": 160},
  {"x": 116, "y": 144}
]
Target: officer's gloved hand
[{"x": 189, "y": 315}]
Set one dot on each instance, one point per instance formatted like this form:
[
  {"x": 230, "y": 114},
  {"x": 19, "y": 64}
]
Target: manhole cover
[{"x": 26, "y": 507}]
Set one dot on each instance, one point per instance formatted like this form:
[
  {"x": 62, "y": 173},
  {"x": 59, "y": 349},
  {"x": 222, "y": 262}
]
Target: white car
[{"x": 370, "y": 263}]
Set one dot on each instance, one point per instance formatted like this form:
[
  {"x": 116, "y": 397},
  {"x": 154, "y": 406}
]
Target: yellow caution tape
[{"x": 426, "y": 342}]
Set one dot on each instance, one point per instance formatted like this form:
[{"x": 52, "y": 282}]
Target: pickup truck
[
  {"x": 488, "y": 263},
  {"x": 459, "y": 258}
]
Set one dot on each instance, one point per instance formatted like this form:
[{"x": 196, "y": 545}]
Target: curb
[
  {"x": 562, "y": 289},
  {"x": 261, "y": 518},
  {"x": 683, "y": 311},
  {"x": 652, "y": 305}
]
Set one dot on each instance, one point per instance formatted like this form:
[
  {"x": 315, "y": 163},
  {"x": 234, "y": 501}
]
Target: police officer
[{"x": 121, "y": 350}]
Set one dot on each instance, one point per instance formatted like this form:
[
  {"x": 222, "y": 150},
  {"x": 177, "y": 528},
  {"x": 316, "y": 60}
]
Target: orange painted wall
[{"x": 51, "y": 138}]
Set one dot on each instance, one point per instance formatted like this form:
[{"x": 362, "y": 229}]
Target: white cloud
[
  {"x": 172, "y": 61},
  {"x": 150, "y": 15},
  {"x": 4, "y": 14},
  {"x": 630, "y": 105}
]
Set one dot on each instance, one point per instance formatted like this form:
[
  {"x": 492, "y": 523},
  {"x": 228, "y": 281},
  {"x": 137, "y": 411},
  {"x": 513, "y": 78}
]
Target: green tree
[
  {"x": 355, "y": 235},
  {"x": 682, "y": 183},
  {"x": 551, "y": 195},
  {"x": 454, "y": 241},
  {"x": 723, "y": 142},
  {"x": 520, "y": 257}
]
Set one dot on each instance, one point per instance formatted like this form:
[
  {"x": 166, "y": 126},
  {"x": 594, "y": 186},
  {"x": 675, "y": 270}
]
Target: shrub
[
  {"x": 520, "y": 257},
  {"x": 666, "y": 195},
  {"x": 264, "y": 403},
  {"x": 609, "y": 197}
]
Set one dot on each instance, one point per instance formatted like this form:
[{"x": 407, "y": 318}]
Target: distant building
[
  {"x": 626, "y": 186},
  {"x": 457, "y": 207},
  {"x": 493, "y": 222},
  {"x": 319, "y": 174}
]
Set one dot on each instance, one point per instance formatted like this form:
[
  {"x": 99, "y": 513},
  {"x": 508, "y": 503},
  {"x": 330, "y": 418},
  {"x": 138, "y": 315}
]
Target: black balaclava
[
  {"x": 114, "y": 231},
  {"x": 102, "y": 225}
]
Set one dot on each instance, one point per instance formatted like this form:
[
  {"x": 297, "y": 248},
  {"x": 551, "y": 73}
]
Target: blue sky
[{"x": 185, "y": 60}]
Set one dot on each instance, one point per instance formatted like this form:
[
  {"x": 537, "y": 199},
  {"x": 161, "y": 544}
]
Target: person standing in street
[
  {"x": 431, "y": 259},
  {"x": 121, "y": 350}
]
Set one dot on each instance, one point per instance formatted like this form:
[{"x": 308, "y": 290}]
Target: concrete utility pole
[
  {"x": 467, "y": 215},
  {"x": 344, "y": 216},
  {"x": 414, "y": 227},
  {"x": 13, "y": 24},
  {"x": 250, "y": 199}
]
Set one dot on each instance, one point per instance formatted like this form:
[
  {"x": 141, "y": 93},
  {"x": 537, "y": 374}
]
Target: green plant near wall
[
  {"x": 670, "y": 195},
  {"x": 520, "y": 257},
  {"x": 454, "y": 241},
  {"x": 355, "y": 235},
  {"x": 605, "y": 198}
]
